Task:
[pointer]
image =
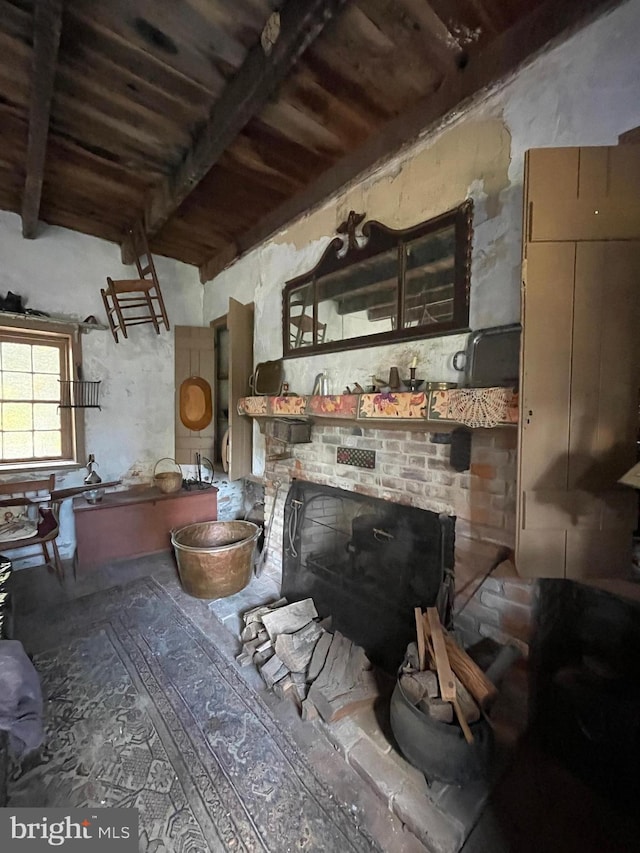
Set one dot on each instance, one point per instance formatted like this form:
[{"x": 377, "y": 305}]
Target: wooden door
[
  {"x": 580, "y": 367},
  {"x": 194, "y": 357},
  {"x": 240, "y": 324}
]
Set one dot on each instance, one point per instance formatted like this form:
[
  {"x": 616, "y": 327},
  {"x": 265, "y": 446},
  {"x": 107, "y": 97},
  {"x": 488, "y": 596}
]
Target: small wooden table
[{"x": 136, "y": 522}]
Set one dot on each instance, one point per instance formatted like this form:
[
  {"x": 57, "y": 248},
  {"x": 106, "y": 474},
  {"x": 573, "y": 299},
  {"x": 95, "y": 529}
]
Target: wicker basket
[{"x": 167, "y": 481}]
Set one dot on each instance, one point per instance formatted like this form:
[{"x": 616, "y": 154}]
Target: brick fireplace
[{"x": 413, "y": 469}]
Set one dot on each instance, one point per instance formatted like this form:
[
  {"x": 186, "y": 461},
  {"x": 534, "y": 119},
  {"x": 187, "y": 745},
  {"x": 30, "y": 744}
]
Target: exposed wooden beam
[
  {"x": 300, "y": 22},
  {"x": 485, "y": 68},
  {"x": 47, "y": 25}
]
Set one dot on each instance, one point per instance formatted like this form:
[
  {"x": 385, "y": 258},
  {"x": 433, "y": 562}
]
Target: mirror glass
[
  {"x": 349, "y": 298},
  {"x": 355, "y": 296},
  {"x": 429, "y": 278}
]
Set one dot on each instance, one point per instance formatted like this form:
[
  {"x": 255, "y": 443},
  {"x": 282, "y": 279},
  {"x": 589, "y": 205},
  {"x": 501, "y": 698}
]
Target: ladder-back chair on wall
[{"x": 135, "y": 302}]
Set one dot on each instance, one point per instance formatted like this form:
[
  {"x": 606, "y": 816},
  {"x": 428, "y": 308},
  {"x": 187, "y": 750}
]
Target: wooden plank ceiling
[{"x": 154, "y": 102}]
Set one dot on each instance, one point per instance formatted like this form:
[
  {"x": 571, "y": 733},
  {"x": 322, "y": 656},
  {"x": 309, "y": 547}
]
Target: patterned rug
[{"x": 144, "y": 712}]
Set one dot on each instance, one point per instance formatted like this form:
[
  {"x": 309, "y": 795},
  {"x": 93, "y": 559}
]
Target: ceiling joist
[
  {"x": 486, "y": 67},
  {"x": 46, "y": 40},
  {"x": 286, "y": 37}
]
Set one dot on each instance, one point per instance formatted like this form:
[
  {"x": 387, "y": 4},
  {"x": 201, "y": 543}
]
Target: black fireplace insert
[{"x": 366, "y": 563}]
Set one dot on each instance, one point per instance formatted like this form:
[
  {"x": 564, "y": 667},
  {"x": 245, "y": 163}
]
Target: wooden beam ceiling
[
  {"x": 46, "y": 40},
  {"x": 483, "y": 69},
  {"x": 294, "y": 28}
]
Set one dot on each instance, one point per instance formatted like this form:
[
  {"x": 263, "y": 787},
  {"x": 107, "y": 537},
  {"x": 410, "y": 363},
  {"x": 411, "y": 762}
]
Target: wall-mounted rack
[{"x": 79, "y": 394}]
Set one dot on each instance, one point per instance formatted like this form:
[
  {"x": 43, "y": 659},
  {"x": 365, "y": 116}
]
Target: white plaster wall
[
  {"x": 61, "y": 272},
  {"x": 583, "y": 92}
]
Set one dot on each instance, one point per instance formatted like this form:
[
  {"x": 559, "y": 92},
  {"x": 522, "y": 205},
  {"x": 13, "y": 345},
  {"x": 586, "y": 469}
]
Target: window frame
[{"x": 67, "y": 338}]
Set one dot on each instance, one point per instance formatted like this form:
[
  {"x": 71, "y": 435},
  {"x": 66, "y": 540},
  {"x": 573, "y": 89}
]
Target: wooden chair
[
  {"x": 38, "y": 493},
  {"x": 305, "y": 328},
  {"x": 142, "y": 295}
]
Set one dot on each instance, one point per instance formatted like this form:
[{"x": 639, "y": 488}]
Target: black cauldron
[{"x": 438, "y": 749}]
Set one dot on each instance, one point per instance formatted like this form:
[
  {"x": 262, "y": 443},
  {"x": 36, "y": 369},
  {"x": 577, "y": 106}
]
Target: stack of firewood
[
  {"x": 324, "y": 673},
  {"x": 440, "y": 678}
]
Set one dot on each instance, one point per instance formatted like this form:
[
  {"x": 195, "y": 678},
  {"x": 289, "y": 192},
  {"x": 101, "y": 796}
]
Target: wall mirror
[{"x": 375, "y": 285}]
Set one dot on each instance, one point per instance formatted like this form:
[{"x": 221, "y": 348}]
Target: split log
[
  {"x": 429, "y": 680},
  {"x": 299, "y": 692},
  {"x": 437, "y": 709},
  {"x": 419, "y": 684},
  {"x": 273, "y": 670},
  {"x": 411, "y": 689},
  {"x": 309, "y": 710},
  {"x": 445, "y": 673},
  {"x": 286, "y": 620},
  {"x": 420, "y": 634},
  {"x": 244, "y": 659},
  {"x": 467, "y": 670},
  {"x": 250, "y": 632},
  {"x": 319, "y": 656},
  {"x": 282, "y": 685},
  {"x": 251, "y": 646},
  {"x": 469, "y": 708},
  {"x": 262, "y": 657},
  {"x": 295, "y": 650},
  {"x": 256, "y": 613},
  {"x": 411, "y": 656},
  {"x": 345, "y": 683}
]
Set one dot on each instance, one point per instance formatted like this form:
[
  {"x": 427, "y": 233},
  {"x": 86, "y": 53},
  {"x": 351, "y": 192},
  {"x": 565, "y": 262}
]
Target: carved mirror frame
[{"x": 360, "y": 246}]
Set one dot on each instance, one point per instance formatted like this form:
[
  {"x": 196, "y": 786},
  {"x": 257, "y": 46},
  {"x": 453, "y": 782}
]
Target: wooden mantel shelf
[{"x": 472, "y": 407}]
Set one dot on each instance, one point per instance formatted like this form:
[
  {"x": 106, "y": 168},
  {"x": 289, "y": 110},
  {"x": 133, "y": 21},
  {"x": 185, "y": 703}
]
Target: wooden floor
[{"x": 538, "y": 807}]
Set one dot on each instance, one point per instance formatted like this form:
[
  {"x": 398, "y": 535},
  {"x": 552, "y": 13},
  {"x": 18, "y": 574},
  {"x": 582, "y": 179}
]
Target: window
[{"x": 35, "y": 432}]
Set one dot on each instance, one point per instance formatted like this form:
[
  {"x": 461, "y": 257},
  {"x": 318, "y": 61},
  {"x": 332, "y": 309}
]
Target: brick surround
[{"x": 411, "y": 469}]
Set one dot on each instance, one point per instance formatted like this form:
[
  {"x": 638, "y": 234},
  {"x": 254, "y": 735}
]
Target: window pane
[
  {"x": 45, "y": 387},
  {"x": 46, "y": 416},
  {"x": 17, "y": 445},
  {"x": 46, "y": 359},
  {"x": 16, "y": 357},
  {"x": 17, "y": 416},
  {"x": 47, "y": 443},
  {"x": 16, "y": 386}
]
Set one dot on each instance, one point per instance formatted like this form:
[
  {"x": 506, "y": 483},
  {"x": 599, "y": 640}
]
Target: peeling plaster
[{"x": 428, "y": 181}]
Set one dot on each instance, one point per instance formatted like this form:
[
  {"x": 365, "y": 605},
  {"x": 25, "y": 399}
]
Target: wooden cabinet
[
  {"x": 131, "y": 523},
  {"x": 580, "y": 362}
]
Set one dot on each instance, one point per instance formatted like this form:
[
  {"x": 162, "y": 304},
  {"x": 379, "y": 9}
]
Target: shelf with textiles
[{"x": 472, "y": 407}]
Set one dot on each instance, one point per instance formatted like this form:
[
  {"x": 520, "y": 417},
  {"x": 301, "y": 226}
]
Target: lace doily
[{"x": 478, "y": 407}]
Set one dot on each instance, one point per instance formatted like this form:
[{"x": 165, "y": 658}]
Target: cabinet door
[
  {"x": 577, "y": 194},
  {"x": 579, "y": 415},
  {"x": 580, "y": 362},
  {"x": 240, "y": 324}
]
